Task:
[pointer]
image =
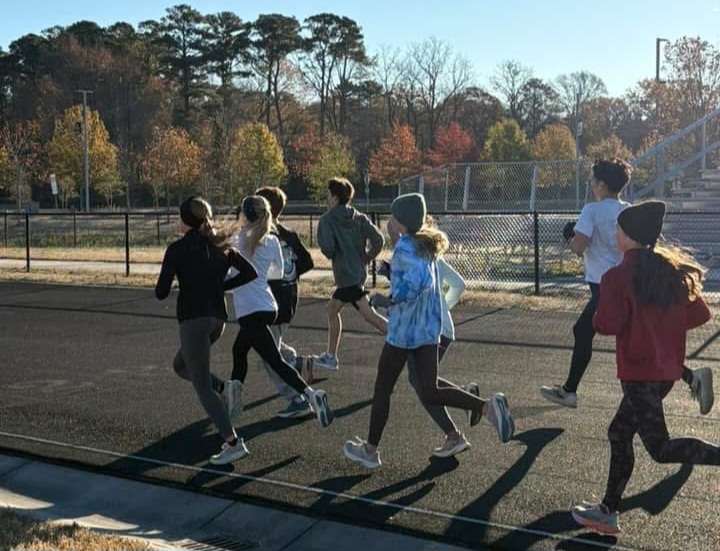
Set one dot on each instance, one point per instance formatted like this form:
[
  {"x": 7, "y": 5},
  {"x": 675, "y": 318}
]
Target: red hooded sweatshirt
[{"x": 650, "y": 340}]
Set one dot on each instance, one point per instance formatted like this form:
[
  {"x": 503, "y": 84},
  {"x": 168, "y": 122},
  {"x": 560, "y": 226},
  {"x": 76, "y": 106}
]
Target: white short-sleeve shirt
[{"x": 597, "y": 222}]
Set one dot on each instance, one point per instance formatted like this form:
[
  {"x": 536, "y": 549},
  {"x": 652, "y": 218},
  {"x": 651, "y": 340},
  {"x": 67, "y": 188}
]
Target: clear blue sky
[{"x": 614, "y": 39}]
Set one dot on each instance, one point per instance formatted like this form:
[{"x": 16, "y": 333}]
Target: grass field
[{"x": 21, "y": 533}]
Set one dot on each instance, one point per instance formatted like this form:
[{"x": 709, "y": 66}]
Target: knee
[
  {"x": 617, "y": 435},
  {"x": 656, "y": 450},
  {"x": 382, "y": 392},
  {"x": 583, "y": 329},
  {"x": 333, "y": 308},
  {"x": 428, "y": 393}
]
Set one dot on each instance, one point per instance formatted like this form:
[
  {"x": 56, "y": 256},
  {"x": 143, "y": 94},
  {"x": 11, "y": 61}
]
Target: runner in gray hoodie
[{"x": 343, "y": 235}]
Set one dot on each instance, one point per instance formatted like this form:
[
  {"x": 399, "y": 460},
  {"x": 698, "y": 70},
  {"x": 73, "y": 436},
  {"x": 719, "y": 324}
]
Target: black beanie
[
  {"x": 187, "y": 216},
  {"x": 643, "y": 222}
]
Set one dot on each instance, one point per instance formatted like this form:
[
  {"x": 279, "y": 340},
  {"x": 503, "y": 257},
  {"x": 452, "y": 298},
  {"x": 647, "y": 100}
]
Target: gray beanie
[{"x": 410, "y": 211}]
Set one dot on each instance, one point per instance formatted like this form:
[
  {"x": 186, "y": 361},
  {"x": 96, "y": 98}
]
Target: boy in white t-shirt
[{"x": 594, "y": 238}]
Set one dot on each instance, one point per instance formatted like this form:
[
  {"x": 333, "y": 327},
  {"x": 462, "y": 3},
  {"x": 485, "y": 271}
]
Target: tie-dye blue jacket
[{"x": 416, "y": 317}]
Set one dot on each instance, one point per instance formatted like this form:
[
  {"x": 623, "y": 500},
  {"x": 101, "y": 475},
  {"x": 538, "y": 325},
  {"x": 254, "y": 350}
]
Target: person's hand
[
  {"x": 380, "y": 301},
  {"x": 383, "y": 268},
  {"x": 569, "y": 231}
]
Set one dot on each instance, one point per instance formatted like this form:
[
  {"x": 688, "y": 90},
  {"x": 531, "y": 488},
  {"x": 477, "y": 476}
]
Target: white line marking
[{"x": 310, "y": 489}]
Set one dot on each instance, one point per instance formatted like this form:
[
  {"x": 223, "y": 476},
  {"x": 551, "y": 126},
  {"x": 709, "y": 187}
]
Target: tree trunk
[{"x": 277, "y": 102}]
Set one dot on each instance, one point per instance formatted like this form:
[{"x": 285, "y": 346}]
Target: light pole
[
  {"x": 578, "y": 135},
  {"x": 86, "y": 162},
  {"x": 658, "y": 41}
]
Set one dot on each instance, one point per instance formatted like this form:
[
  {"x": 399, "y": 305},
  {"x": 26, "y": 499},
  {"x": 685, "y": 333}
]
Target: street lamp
[{"x": 658, "y": 41}]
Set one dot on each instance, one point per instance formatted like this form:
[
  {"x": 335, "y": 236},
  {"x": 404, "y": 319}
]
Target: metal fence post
[
  {"x": 536, "y": 246},
  {"x": 311, "y": 230},
  {"x": 447, "y": 170},
  {"x": 466, "y": 190},
  {"x": 158, "y": 228},
  {"x": 127, "y": 244},
  {"x": 533, "y": 187},
  {"x": 74, "y": 229},
  {"x": 374, "y": 264},
  {"x": 27, "y": 241},
  {"x": 577, "y": 183}
]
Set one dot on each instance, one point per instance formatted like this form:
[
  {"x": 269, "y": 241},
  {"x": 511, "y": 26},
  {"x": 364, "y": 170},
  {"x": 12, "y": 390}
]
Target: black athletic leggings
[
  {"x": 641, "y": 412},
  {"x": 392, "y": 361},
  {"x": 255, "y": 334}
]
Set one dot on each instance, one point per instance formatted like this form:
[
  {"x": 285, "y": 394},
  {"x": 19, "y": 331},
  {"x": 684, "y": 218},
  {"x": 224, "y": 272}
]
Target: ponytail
[
  {"x": 666, "y": 275},
  {"x": 259, "y": 223},
  {"x": 430, "y": 242}
]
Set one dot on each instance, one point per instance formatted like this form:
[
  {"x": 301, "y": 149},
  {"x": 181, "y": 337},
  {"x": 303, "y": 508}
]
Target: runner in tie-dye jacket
[{"x": 416, "y": 315}]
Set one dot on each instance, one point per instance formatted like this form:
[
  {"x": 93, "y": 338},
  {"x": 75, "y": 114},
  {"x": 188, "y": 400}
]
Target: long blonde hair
[
  {"x": 259, "y": 221},
  {"x": 430, "y": 241}
]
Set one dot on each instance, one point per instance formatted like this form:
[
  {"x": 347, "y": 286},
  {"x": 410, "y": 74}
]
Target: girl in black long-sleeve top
[{"x": 200, "y": 260}]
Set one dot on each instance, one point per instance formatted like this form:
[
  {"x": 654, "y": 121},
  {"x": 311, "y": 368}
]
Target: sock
[{"x": 233, "y": 442}]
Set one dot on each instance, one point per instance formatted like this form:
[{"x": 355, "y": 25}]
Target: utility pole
[
  {"x": 578, "y": 135},
  {"x": 658, "y": 41},
  {"x": 86, "y": 162}
]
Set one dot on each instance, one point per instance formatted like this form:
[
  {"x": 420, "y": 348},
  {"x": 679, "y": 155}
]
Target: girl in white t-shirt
[{"x": 255, "y": 309}]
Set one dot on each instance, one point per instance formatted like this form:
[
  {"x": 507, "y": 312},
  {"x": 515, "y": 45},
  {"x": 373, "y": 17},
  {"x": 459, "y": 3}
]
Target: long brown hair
[
  {"x": 218, "y": 234},
  {"x": 430, "y": 241},
  {"x": 257, "y": 230},
  {"x": 667, "y": 275}
]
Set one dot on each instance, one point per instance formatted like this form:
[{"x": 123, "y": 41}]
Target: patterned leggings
[{"x": 641, "y": 412}]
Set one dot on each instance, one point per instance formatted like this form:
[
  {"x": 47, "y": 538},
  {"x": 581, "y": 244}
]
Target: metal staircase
[{"x": 676, "y": 170}]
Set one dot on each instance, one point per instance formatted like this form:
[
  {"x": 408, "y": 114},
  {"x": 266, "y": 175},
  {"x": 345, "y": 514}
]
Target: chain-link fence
[
  {"x": 529, "y": 186},
  {"x": 522, "y": 253},
  {"x": 507, "y": 250}
]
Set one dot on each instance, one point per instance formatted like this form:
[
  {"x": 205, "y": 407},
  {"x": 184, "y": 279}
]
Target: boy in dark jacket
[
  {"x": 296, "y": 262},
  {"x": 343, "y": 235}
]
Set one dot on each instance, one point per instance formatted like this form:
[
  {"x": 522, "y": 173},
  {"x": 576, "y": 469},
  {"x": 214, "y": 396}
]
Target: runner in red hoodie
[{"x": 648, "y": 302}]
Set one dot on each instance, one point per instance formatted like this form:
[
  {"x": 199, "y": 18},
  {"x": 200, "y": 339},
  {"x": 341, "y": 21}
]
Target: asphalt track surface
[{"x": 86, "y": 378}]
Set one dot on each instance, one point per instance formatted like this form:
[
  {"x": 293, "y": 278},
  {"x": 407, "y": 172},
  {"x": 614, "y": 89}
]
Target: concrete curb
[{"x": 168, "y": 518}]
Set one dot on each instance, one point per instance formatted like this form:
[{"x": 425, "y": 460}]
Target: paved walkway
[{"x": 174, "y": 519}]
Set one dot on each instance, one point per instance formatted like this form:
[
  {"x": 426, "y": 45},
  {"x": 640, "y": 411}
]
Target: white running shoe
[
  {"x": 326, "y": 361},
  {"x": 558, "y": 395},
  {"x": 452, "y": 446},
  {"x": 229, "y": 453},
  {"x": 232, "y": 396},
  {"x": 319, "y": 403},
  {"x": 355, "y": 450}
]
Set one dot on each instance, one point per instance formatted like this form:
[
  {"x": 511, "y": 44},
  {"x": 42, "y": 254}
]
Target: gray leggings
[
  {"x": 439, "y": 414},
  {"x": 192, "y": 363}
]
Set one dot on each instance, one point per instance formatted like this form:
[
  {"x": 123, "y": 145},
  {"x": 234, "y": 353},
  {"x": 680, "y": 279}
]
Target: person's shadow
[
  {"x": 654, "y": 500},
  {"x": 535, "y": 441},
  {"x": 194, "y": 444},
  {"x": 366, "y": 506}
]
